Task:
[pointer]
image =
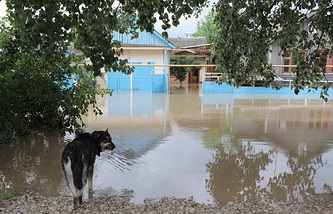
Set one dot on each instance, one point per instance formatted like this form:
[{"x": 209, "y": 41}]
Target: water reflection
[
  {"x": 216, "y": 147},
  {"x": 285, "y": 165},
  {"x": 32, "y": 162},
  {"x": 246, "y": 170},
  {"x": 235, "y": 172}
]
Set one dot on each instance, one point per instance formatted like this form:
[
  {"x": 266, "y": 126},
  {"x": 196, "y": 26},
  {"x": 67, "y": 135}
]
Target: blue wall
[
  {"x": 158, "y": 83},
  {"x": 141, "y": 80},
  {"x": 211, "y": 87},
  {"x": 118, "y": 81}
]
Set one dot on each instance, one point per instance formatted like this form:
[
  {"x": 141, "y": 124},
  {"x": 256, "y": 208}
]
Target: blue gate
[
  {"x": 143, "y": 78},
  {"x": 118, "y": 81}
]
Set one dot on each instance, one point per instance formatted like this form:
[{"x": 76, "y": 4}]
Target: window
[
  {"x": 289, "y": 61},
  {"x": 329, "y": 63},
  {"x": 329, "y": 59},
  {"x": 319, "y": 119},
  {"x": 286, "y": 60}
]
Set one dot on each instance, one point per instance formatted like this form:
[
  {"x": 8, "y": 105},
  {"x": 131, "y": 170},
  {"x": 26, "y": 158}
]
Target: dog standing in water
[{"x": 78, "y": 160}]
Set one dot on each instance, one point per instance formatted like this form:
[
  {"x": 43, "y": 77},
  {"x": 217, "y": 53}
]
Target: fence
[{"x": 215, "y": 76}]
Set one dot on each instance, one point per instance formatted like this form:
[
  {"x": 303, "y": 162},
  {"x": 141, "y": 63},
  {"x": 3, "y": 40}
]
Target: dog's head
[{"x": 104, "y": 140}]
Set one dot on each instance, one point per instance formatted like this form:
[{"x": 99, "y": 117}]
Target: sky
[
  {"x": 186, "y": 25},
  {"x": 2, "y": 8},
  {"x": 189, "y": 25}
]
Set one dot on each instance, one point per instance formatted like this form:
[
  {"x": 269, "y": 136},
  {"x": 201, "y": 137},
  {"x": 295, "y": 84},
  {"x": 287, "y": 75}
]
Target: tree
[
  {"x": 181, "y": 72},
  {"x": 207, "y": 27},
  {"x": 34, "y": 66},
  {"x": 246, "y": 28},
  {"x": 35, "y": 90}
]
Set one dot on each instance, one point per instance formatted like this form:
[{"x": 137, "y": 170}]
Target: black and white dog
[{"x": 78, "y": 160}]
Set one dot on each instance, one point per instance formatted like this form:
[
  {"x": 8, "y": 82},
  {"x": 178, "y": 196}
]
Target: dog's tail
[{"x": 75, "y": 173}]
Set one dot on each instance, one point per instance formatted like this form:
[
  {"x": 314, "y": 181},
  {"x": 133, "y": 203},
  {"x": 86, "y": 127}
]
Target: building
[
  {"x": 284, "y": 64},
  {"x": 150, "y": 52},
  {"x": 196, "y": 47}
]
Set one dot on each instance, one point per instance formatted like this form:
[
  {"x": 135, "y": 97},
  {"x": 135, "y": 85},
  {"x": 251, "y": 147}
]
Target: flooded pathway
[{"x": 214, "y": 147}]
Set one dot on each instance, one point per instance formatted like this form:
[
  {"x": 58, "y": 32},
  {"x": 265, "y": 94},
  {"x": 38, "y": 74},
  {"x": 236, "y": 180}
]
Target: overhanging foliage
[
  {"x": 35, "y": 95},
  {"x": 245, "y": 30}
]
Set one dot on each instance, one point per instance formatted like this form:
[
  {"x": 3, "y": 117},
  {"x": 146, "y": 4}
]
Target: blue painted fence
[
  {"x": 143, "y": 78},
  {"x": 212, "y": 87}
]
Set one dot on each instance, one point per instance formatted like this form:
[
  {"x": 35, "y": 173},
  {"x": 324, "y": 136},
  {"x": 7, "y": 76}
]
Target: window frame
[{"x": 290, "y": 66}]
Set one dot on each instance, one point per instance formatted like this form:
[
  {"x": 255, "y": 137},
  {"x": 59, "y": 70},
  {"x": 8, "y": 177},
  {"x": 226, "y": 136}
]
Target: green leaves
[
  {"x": 246, "y": 31},
  {"x": 207, "y": 27},
  {"x": 35, "y": 63},
  {"x": 89, "y": 24},
  {"x": 181, "y": 72},
  {"x": 242, "y": 42}
]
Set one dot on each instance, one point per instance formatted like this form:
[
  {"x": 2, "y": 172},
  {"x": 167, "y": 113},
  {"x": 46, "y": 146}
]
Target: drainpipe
[
  {"x": 165, "y": 70},
  {"x": 166, "y": 95}
]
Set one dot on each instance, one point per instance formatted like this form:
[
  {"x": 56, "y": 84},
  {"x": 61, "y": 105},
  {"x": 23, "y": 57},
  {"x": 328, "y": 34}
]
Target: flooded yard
[{"x": 214, "y": 147}]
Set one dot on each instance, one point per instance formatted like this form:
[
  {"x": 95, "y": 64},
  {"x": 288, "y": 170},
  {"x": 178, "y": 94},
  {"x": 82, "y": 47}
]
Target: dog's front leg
[
  {"x": 75, "y": 202},
  {"x": 90, "y": 177}
]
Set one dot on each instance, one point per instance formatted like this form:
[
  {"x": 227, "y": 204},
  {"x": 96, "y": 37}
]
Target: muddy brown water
[{"x": 214, "y": 147}]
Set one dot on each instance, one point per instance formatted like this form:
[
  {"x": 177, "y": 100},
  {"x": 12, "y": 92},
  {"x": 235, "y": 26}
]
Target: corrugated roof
[
  {"x": 144, "y": 39},
  {"x": 188, "y": 42}
]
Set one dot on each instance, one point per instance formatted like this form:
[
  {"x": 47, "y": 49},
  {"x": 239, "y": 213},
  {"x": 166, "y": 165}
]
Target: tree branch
[{"x": 271, "y": 7}]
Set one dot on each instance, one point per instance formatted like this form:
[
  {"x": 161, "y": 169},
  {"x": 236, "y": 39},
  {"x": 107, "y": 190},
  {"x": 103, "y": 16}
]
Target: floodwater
[{"x": 214, "y": 147}]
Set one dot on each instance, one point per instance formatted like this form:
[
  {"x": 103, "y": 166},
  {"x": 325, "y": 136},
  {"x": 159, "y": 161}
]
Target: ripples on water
[
  {"x": 213, "y": 147},
  {"x": 118, "y": 163}
]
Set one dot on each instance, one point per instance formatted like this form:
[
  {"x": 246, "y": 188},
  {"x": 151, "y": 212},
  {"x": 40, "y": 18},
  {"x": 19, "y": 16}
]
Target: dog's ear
[
  {"x": 95, "y": 134},
  {"x": 107, "y": 130}
]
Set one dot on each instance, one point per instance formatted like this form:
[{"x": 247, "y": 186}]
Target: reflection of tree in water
[
  {"x": 32, "y": 162},
  {"x": 234, "y": 174},
  {"x": 181, "y": 88},
  {"x": 299, "y": 182}
]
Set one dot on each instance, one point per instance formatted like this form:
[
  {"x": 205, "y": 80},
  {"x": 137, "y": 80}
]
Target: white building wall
[{"x": 145, "y": 56}]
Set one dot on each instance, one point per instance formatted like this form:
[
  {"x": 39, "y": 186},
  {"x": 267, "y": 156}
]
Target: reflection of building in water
[
  {"x": 275, "y": 147},
  {"x": 136, "y": 120},
  {"x": 301, "y": 126},
  {"x": 291, "y": 117},
  {"x": 278, "y": 114},
  {"x": 300, "y": 118},
  {"x": 321, "y": 119}
]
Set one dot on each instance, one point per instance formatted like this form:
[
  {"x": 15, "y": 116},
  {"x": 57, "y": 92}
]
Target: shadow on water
[{"x": 215, "y": 147}]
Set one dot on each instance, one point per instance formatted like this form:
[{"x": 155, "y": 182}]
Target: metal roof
[
  {"x": 189, "y": 42},
  {"x": 144, "y": 39}
]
